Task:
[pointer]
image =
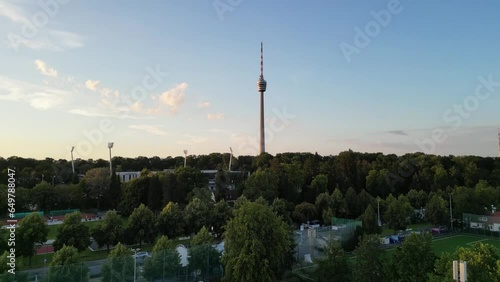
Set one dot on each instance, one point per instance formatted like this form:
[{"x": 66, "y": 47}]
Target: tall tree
[
  {"x": 255, "y": 254},
  {"x": 414, "y": 260},
  {"x": 72, "y": 232},
  {"x": 120, "y": 265},
  {"x": 370, "y": 221},
  {"x": 164, "y": 262},
  {"x": 261, "y": 183},
  {"x": 436, "y": 211},
  {"x": 109, "y": 231},
  {"x": 97, "y": 180},
  {"x": 398, "y": 214},
  {"x": 203, "y": 255},
  {"x": 66, "y": 266},
  {"x": 369, "y": 263},
  {"x": 32, "y": 231},
  {"x": 334, "y": 265},
  {"x": 170, "y": 222},
  {"x": 198, "y": 213},
  {"x": 141, "y": 224}
]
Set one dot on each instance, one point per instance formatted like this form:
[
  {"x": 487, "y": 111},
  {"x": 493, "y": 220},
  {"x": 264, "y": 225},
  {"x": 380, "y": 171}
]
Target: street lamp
[
  {"x": 135, "y": 261},
  {"x": 185, "y": 157},
  {"x": 72, "y": 161},
  {"x": 42, "y": 177},
  {"x": 110, "y": 145},
  {"x": 53, "y": 176},
  {"x": 230, "y": 158}
]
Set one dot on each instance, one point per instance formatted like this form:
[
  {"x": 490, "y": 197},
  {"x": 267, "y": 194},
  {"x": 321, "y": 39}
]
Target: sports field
[{"x": 450, "y": 244}]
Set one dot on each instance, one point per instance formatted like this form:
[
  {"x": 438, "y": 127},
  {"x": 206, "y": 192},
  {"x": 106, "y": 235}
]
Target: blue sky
[{"x": 158, "y": 77}]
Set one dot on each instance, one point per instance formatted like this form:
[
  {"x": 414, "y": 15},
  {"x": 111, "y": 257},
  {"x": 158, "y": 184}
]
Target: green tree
[
  {"x": 414, "y": 260},
  {"x": 338, "y": 204},
  {"x": 66, "y": 266},
  {"x": 436, "y": 211},
  {"x": 323, "y": 202},
  {"x": 198, "y": 213},
  {"x": 43, "y": 196},
  {"x": 398, "y": 213},
  {"x": 369, "y": 263},
  {"x": 282, "y": 208},
  {"x": 261, "y": 183},
  {"x": 72, "y": 232},
  {"x": 170, "y": 222},
  {"x": 334, "y": 265},
  {"x": 370, "y": 221},
  {"x": 304, "y": 212},
  {"x": 164, "y": 262},
  {"x": 109, "y": 231},
  {"x": 256, "y": 245},
  {"x": 141, "y": 224},
  {"x": 483, "y": 263},
  {"x": 97, "y": 181},
  {"x": 220, "y": 215},
  {"x": 203, "y": 255},
  {"x": 120, "y": 265},
  {"x": 32, "y": 231}
]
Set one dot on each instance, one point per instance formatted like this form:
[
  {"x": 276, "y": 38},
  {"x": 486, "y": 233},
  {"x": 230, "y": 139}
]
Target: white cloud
[
  {"x": 40, "y": 36},
  {"x": 42, "y": 67},
  {"x": 192, "y": 140},
  {"x": 153, "y": 129},
  {"x": 174, "y": 97},
  {"x": 203, "y": 105},
  {"x": 38, "y": 96},
  {"x": 215, "y": 116},
  {"x": 92, "y": 84}
]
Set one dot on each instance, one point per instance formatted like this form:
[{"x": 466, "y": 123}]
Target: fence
[
  {"x": 197, "y": 263},
  {"x": 481, "y": 224},
  {"x": 311, "y": 242},
  {"x": 344, "y": 228},
  {"x": 62, "y": 212},
  {"x": 25, "y": 214}
]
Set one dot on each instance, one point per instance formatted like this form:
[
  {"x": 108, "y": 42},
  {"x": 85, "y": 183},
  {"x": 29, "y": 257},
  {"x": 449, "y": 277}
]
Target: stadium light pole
[
  {"x": 230, "y": 158},
  {"x": 72, "y": 161},
  {"x": 110, "y": 145},
  {"x": 185, "y": 157}
]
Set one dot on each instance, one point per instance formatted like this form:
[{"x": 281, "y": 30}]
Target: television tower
[{"x": 261, "y": 87}]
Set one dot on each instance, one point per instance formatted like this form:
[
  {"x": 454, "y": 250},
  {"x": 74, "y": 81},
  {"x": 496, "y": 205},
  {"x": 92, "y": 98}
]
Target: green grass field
[{"x": 450, "y": 244}]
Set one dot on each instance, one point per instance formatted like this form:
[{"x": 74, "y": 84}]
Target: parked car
[{"x": 141, "y": 256}]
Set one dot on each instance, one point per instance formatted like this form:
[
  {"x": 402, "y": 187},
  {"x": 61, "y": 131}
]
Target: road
[{"x": 94, "y": 269}]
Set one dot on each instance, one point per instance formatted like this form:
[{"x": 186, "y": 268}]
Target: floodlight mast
[
  {"x": 72, "y": 161},
  {"x": 110, "y": 145},
  {"x": 185, "y": 158}
]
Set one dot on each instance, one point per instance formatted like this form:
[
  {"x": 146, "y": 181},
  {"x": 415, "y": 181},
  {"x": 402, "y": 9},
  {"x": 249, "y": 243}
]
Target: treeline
[{"x": 304, "y": 186}]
